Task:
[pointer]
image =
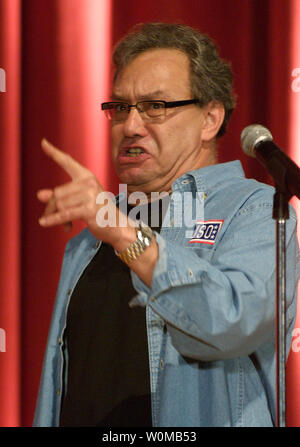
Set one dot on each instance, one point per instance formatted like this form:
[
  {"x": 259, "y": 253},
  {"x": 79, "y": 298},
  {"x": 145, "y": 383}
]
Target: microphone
[{"x": 257, "y": 141}]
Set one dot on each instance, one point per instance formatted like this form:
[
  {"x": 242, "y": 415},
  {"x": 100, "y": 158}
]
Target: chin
[
  {"x": 133, "y": 182},
  {"x": 133, "y": 178}
]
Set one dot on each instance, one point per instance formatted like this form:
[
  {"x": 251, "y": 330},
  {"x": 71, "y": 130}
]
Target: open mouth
[{"x": 133, "y": 152}]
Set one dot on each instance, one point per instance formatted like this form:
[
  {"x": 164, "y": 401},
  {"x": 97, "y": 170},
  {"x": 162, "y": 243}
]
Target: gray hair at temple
[{"x": 211, "y": 76}]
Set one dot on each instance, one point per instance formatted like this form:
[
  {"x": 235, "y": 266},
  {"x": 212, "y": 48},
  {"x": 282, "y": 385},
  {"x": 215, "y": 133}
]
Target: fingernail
[
  {"x": 42, "y": 221},
  {"x": 45, "y": 141}
]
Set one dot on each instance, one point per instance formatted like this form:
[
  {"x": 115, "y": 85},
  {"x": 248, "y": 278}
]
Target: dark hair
[{"x": 211, "y": 77}]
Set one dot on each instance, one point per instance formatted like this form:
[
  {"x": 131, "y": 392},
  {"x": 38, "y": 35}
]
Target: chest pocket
[
  {"x": 182, "y": 237},
  {"x": 202, "y": 251}
]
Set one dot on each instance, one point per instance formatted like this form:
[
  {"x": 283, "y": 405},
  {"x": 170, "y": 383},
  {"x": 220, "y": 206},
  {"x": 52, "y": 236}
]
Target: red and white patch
[{"x": 206, "y": 231}]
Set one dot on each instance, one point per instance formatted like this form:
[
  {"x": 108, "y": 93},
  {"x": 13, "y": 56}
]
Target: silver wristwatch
[{"x": 144, "y": 237}]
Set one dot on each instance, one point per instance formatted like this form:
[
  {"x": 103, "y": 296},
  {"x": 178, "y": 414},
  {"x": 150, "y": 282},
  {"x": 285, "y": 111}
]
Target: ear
[{"x": 214, "y": 117}]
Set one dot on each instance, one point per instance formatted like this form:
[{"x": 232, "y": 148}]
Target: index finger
[{"x": 65, "y": 161}]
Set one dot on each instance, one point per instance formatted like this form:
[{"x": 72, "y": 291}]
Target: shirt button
[
  {"x": 162, "y": 364},
  {"x": 97, "y": 244},
  {"x": 60, "y": 341},
  {"x": 153, "y": 299},
  {"x": 58, "y": 391},
  {"x": 191, "y": 273},
  {"x": 69, "y": 292},
  {"x": 204, "y": 195},
  {"x": 185, "y": 182}
]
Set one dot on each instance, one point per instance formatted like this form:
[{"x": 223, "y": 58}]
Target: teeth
[{"x": 135, "y": 151}]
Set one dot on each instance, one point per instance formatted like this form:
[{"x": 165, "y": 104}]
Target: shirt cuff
[{"x": 167, "y": 273}]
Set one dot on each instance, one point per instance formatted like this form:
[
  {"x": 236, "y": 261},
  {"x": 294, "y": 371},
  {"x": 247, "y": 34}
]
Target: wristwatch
[{"x": 144, "y": 237}]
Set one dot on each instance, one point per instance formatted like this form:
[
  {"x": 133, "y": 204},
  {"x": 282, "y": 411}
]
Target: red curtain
[
  {"x": 56, "y": 56},
  {"x": 10, "y": 214}
]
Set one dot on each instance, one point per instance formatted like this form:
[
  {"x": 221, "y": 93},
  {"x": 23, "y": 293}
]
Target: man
[{"x": 173, "y": 327}]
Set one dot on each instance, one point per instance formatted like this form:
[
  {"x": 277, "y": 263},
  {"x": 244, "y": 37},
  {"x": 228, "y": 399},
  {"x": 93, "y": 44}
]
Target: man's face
[{"x": 170, "y": 147}]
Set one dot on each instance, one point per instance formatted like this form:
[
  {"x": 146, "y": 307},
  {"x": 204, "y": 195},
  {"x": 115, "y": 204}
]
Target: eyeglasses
[{"x": 151, "y": 110}]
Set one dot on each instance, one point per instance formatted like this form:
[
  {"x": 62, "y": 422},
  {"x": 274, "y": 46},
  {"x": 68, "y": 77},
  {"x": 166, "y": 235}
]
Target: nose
[{"x": 134, "y": 124}]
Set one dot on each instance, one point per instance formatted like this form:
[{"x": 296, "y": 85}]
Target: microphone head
[{"x": 252, "y": 135}]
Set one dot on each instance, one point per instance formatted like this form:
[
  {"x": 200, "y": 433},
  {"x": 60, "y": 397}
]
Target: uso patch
[{"x": 206, "y": 231}]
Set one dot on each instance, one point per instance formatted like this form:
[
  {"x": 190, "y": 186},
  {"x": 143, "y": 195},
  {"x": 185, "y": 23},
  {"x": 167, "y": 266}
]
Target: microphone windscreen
[{"x": 252, "y": 135}]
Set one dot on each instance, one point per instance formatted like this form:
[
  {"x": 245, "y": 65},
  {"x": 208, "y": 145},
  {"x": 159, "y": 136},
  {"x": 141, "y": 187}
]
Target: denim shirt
[{"x": 210, "y": 310}]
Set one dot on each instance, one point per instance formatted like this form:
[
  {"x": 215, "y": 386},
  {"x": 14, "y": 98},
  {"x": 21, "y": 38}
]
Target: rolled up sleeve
[{"x": 224, "y": 307}]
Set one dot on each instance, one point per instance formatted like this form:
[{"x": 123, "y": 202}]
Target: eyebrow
[{"x": 152, "y": 95}]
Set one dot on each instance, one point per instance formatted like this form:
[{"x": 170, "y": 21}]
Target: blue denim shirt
[{"x": 210, "y": 309}]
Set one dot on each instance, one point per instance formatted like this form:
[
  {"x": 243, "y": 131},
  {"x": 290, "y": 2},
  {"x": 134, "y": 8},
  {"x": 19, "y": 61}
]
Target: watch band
[{"x": 144, "y": 237}]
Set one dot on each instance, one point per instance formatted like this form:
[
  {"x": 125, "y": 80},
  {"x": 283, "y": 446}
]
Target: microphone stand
[
  {"x": 286, "y": 176},
  {"x": 280, "y": 214}
]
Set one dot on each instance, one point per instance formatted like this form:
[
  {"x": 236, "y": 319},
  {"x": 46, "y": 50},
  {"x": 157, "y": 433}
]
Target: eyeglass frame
[{"x": 167, "y": 105}]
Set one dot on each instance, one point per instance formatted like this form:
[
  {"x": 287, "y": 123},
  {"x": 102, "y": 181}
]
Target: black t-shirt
[{"x": 108, "y": 366}]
